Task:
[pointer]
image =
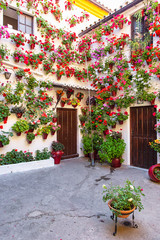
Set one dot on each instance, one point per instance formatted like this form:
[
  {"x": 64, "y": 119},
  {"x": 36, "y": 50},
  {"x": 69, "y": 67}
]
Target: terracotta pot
[
  {"x": 114, "y": 126},
  {"x": 111, "y": 66},
  {"x": 120, "y": 25},
  {"x": 1, "y": 145},
  {"x": 112, "y": 106},
  {"x": 57, "y": 156},
  {"x": 19, "y": 77},
  {"x": 74, "y": 105},
  {"x": 120, "y": 122},
  {"x": 58, "y": 77},
  {"x": 18, "y": 133},
  {"x": 54, "y": 119},
  {"x": 114, "y": 93},
  {"x": 32, "y": 46},
  {"x": 152, "y": 102},
  {"x": 68, "y": 95},
  {"x": 115, "y": 163},
  {"x": 62, "y": 104},
  {"x": 52, "y": 132},
  {"x": 151, "y": 172},
  {"x": 124, "y": 213},
  {"x": 31, "y": 130},
  {"x": 19, "y": 115},
  {"x": 5, "y": 119},
  {"x": 45, "y": 9},
  {"x": 45, "y": 135},
  {"x": 82, "y": 123},
  {"x": 29, "y": 142}
]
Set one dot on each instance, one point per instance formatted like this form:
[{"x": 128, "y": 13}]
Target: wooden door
[
  {"x": 142, "y": 132},
  {"x": 67, "y": 135}
]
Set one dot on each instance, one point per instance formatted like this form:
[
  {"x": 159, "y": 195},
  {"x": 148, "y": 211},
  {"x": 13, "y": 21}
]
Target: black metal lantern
[{"x": 7, "y": 75}]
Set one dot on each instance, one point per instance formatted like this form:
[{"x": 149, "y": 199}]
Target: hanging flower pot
[
  {"x": 120, "y": 25},
  {"x": 31, "y": 130},
  {"x": 29, "y": 142},
  {"x": 53, "y": 132},
  {"x": 62, "y": 104},
  {"x": 58, "y": 77},
  {"x": 68, "y": 94},
  {"x": 1, "y": 145},
  {"x": 112, "y": 106},
  {"x": 74, "y": 105},
  {"x": 114, "y": 93},
  {"x": 54, "y": 119},
  {"x": 152, "y": 102},
  {"x": 111, "y": 66},
  {"x": 32, "y": 46},
  {"x": 18, "y": 134},
  {"x": 45, "y": 9},
  {"x": 5, "y": 119},
  {"x": 18, "y": 77},
  {"x": 44, "y": 135},
  {"x": 114, "y": 126},
  {"x": 19, "y": 115},
  {"x": 120, "y": 122}
]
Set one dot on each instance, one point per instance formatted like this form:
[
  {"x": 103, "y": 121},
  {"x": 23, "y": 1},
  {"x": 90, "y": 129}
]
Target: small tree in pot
[
  {"x": 112, "y": 151},
  {"x": 57, "y": 151}
]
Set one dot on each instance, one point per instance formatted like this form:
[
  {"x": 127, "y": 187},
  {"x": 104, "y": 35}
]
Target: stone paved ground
[{"x": 65, "y": 202}]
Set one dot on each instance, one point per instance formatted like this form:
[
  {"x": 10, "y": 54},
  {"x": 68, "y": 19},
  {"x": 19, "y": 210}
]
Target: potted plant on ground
[
  {"x": 123, "y": 200},
  {"x": 112, "y": 150},
  {"x": 20, "y": 126},
  {"x": 4, "y": 138},
  {"x": 154, "y": 170},
  {"x": 30, "y": 137},
  {"x": 57, "y": 151}
]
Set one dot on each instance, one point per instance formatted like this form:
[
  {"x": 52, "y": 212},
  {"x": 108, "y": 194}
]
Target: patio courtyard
[{"x": 64, "y": 202}]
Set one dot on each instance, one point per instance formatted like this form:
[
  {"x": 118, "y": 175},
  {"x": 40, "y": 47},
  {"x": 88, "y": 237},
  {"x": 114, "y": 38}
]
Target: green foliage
[
  {"x": 15, "y": 156},
  {"x": 57, "y": 146},
  {"x": 20, "y": 126},
  {"x": 155, "y": 145},
  {"x": 44, "y": 154},
  {"x": 87, "y": 144},
  {"x": 32, "y": 82},
  {"x": 17, "y": 109},
  {"x": 4, "y": 137},
  {"x": 157, "y": 173},
  {"x": 30, "y": 136},
  {"x": 4, "y": 111},
  {"x": 124, "y": 198},
  {"x": 112, "y": 148}
]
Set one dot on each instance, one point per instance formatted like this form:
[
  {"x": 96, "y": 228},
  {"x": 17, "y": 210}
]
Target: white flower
[
  {"x": 130, "y": 199},
  {"x": 131, "y": 187}
]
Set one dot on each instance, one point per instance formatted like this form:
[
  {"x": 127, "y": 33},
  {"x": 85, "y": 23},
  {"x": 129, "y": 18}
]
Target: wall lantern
[{"x": 7, "y": 75}]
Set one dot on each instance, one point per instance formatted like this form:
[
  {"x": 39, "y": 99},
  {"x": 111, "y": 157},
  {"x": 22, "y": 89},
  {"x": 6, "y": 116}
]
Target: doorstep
[{"x": 26, "y": 166}]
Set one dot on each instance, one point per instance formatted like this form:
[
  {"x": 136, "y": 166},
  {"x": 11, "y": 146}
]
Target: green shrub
[
  {"x": 44, "y": 154},
  {"x": 16, "y": 156},
  {"x": 112, "y": 148}
]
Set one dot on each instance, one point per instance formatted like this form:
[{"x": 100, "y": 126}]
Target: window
[
  {"x": 20, "y": 22},
  {"x": 140, "y": 32},
  {"x": 138, "y": 28}
]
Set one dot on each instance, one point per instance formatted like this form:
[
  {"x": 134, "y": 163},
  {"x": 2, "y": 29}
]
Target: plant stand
[{"x": 115, "y": 219}]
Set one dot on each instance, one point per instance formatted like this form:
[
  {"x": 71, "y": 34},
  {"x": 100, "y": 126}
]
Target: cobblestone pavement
[{"x": 65, "y": 202}]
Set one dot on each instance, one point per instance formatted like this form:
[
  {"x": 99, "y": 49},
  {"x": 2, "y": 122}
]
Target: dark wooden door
[
  {"x": 67, "y": 135},
  {"x": 142, "y": 132}
]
